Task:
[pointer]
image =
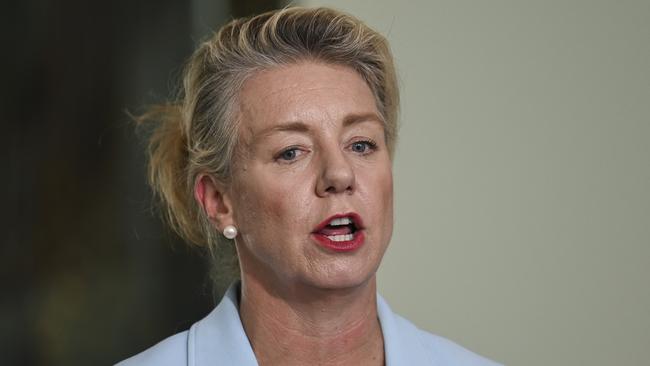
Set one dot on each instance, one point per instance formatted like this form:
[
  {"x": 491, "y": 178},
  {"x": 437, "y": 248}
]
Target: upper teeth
[{"x": 341, "y": 221}]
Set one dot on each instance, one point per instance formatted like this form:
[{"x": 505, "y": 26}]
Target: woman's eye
[
  {"x": 363, "y": 147},
  {"x": 289, "y": 154}
]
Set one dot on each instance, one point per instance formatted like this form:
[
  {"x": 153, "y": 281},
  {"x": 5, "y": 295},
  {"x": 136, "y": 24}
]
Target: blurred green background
[
  {"x": 89, "y": 274},
  {"x": 522, "y": 175}
]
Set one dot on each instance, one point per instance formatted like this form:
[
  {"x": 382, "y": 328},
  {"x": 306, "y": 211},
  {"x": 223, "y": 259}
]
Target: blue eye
[
  {"x": 359, "y": 147},
  {"x": 289, "y": 154},
  {"x": 362, "y": 147}
]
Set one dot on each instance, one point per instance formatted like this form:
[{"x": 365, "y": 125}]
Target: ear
[{"x": 214, "y": 200}]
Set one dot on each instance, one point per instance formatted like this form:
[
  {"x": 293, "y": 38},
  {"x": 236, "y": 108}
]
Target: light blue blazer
[{"x": 219, "y": 339}]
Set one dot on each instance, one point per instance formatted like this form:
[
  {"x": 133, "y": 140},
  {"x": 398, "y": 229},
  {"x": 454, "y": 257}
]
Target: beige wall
[{"x": 522, "y": 176}]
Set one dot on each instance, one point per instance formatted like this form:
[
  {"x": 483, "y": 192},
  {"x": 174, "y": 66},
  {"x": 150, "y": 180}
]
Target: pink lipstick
[{"x": 340, "y": 232}]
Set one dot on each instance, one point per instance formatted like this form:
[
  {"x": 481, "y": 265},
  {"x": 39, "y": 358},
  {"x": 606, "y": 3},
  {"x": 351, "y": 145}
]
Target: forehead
[{"x": 309, "y": 92}]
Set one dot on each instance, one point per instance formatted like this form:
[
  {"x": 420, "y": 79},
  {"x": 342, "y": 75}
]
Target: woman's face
[{"x": 311, "y": 149}]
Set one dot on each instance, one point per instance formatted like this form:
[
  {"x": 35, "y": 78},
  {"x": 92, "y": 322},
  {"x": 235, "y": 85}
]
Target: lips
[{"x": 341, "y": 232}]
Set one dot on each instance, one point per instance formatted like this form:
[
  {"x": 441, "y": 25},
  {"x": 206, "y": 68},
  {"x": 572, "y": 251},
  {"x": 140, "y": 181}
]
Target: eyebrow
[
  {"x": 299, "y": 126},
  {"x": 296, "y": 126},
  {"x": 352, "y": 119}
]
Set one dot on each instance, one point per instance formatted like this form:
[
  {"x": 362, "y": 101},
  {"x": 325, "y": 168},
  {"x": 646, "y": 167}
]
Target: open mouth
[{"x": 342, "y": 232}]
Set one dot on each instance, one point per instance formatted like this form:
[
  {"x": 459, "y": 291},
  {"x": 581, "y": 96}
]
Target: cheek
[
  {"x": 377, "y": 196},
  {"x": 270, "y": 208},
  {"x": 380, "y": 200},
  {"x": 387, "y": 199}
]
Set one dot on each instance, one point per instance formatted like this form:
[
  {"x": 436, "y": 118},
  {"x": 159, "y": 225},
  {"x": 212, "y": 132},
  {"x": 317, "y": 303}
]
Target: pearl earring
[{"x": 230, "y": 232}]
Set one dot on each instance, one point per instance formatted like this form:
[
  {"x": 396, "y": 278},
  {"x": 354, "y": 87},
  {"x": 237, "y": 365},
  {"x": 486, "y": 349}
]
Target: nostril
[
  {"x": 334, "y": 189},
  {"x": 336, "y": 179}
]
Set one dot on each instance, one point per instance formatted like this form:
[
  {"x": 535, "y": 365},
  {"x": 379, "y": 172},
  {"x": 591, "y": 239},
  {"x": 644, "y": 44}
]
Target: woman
[{"x": 281, "y": 146}]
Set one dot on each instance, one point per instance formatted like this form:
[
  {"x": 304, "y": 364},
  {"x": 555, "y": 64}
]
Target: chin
[
  {"x": 357, "y": 271},
  {"x": 339, "y": 284},
  {"x": 340, "y": 276},
  {"x": 330, "y": 269}
]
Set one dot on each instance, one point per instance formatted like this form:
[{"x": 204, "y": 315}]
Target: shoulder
[
  {"x": 169, "y": 352},
  {"x": 217, "y": 338},
  {"x": 407, "y": 344},
  {"x": 440, "y": 350},
  {"x": 446, "y": 352}
]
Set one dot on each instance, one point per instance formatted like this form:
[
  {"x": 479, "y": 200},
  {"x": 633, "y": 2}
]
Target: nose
[{"x": 336, "y": 174}]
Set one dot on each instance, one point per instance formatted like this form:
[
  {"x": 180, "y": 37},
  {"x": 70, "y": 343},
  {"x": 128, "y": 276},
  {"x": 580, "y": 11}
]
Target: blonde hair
[{"x": 198, "y": 133}]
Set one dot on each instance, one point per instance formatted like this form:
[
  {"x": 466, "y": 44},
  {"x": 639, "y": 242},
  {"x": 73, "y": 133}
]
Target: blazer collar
[
  {"x": 402, "y": 343},
  {"x": 220, "y": 336}
]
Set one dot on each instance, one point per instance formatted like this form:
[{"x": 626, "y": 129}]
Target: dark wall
[{"x": 89, "y": 274}]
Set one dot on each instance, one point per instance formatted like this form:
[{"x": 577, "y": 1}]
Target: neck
[{"x": 302, "y": 325}]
